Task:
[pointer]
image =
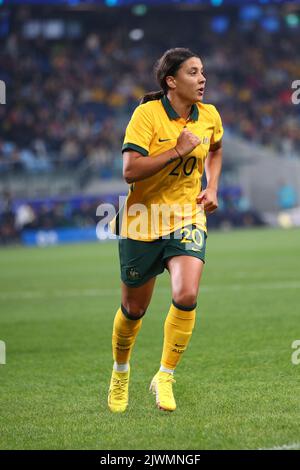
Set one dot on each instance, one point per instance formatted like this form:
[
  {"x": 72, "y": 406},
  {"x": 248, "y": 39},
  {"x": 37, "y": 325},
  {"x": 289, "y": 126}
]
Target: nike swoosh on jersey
[{"x": 164, "y": 140}]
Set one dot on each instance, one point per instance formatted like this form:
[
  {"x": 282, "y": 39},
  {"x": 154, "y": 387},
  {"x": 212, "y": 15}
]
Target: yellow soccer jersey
[{"x": 166, "y": 201}]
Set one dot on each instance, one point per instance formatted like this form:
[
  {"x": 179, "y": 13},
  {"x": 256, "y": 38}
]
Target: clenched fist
[
  {"x": 209, "y": 199},
  {"x": 186, "y": 142}
]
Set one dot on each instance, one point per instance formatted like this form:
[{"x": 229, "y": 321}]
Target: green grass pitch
[{"x": 236, "y": 386}]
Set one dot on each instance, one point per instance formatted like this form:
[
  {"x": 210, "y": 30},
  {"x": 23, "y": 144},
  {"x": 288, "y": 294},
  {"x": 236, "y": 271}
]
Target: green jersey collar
[{"x": 172, "y": 113}]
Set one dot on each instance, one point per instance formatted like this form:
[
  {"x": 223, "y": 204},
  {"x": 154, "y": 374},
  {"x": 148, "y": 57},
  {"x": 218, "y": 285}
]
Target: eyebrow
[{"x": 197, "y": 68}]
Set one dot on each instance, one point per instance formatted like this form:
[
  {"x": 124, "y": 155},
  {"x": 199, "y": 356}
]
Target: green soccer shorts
[{"x": 140, "y": 261}]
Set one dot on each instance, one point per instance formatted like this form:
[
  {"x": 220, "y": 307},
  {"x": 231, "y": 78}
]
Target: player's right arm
[
  {"x": 136, "y": 147},
  {"x": 136, "y": 167}
]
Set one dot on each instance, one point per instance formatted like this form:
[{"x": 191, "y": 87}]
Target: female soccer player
[{"x": 163, "y": 224}]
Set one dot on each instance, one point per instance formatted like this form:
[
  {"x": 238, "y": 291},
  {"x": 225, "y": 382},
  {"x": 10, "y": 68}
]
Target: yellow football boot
[
  {"x": 118, "y": 391},
  {"x": 161, "y": 386}
]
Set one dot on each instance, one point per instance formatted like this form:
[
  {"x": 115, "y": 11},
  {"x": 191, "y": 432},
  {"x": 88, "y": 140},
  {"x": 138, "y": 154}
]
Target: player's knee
[
  {"x": 133, "y": 310},
  {"x": 185, "y": 298}
]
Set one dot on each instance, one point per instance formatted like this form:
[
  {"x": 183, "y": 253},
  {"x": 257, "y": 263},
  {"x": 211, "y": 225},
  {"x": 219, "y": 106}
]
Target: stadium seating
[{"x": 70, "y": 100}]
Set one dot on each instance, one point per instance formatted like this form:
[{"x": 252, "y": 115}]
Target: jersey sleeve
[
  {"x": 139, "y": 132},
  {"x": 218, "y": 128}
]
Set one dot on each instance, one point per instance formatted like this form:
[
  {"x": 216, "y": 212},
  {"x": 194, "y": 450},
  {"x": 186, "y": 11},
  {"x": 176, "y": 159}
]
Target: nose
[{"x": 202, "y": 79}]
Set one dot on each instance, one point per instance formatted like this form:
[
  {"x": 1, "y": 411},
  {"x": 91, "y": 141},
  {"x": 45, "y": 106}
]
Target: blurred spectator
[
  {"x": 286, "y": 196},
  {"x": 8, "y": 232},
  {"x": 24, "y": 217}
]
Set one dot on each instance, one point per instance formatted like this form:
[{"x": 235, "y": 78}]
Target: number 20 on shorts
[{"x": 196, "y": 234}]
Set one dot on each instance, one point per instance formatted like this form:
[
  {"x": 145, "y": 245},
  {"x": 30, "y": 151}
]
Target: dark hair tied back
[
  {"x": 152, "y": 95},
  {"x": 167, "y": 65}
]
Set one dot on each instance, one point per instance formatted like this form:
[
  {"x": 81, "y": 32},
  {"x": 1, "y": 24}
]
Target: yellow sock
[
  {"x": 125, "y": 330},
  {"x": 178, "y": 330}
]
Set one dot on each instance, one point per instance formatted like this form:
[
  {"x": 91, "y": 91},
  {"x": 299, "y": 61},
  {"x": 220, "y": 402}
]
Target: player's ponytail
[
  {"x": 167, "y": 65},
  {"x": 152, "y": 95}
]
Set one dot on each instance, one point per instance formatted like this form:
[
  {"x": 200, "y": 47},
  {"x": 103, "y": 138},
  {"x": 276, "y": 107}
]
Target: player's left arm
[{"x": 213, "y": 165}]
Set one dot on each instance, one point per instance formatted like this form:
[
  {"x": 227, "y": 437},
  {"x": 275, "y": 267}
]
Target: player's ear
[{"x": 171, "y": 82}]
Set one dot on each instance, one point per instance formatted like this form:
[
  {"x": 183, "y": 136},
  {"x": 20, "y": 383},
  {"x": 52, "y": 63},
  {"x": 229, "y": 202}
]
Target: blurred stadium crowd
[
  {"x": 17, "y": 216},
  {"x": 69, "y": 101}
]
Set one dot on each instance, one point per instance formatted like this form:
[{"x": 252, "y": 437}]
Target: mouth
[{"x": 200, "y": 90}]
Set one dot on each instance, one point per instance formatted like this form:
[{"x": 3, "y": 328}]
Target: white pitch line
[
  {"x": 27, "y": 295},
  {"x": 57, "y": 294},
  {"x": 294, "y": 446}
]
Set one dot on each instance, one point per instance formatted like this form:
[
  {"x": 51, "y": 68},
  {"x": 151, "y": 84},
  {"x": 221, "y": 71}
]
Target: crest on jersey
[{"x": 133, "y": 273}]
